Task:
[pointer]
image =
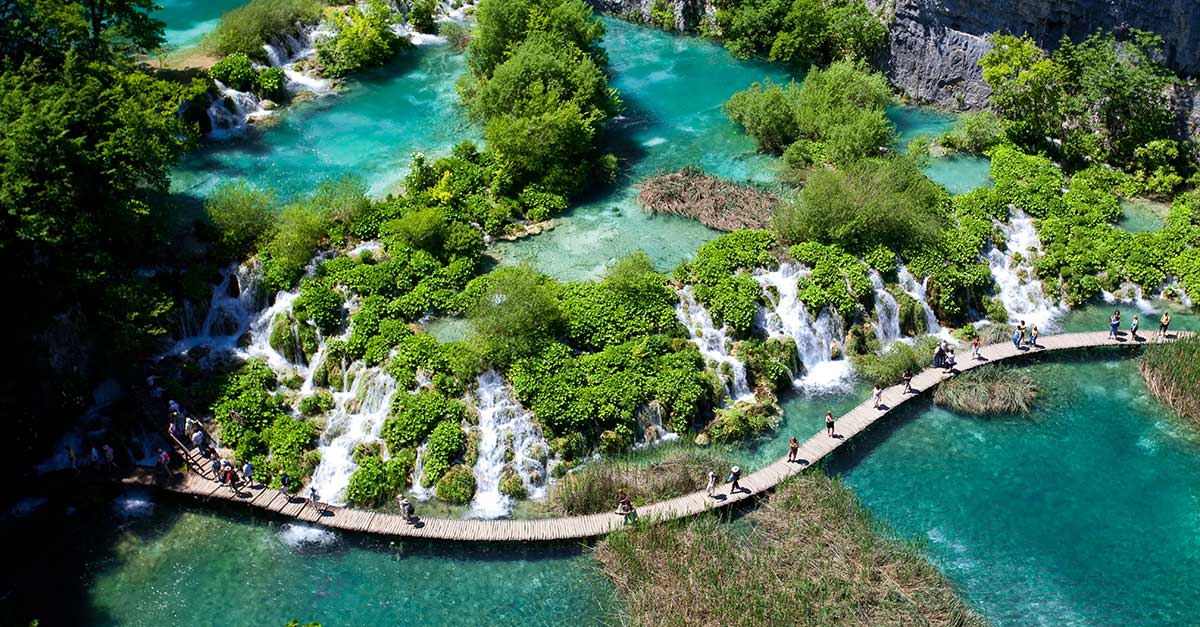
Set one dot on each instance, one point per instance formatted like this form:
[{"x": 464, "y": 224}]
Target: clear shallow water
[
  {"x": 369, "y": 130},
  {"x": 173, "y": 565},
  {"x": 1087, "y": 513},
  {"x": 189, "y": 20},
  {"x": 1139, "y": 215}
]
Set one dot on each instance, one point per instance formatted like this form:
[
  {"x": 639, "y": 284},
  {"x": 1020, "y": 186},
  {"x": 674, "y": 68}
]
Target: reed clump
[
  {"x": 810, "y": 555},
  {"x": 713, "y": 201},
  {"x": 1172, "y": 372},
  {"x": 594, "y": 487},
  {"x": 988, "y": 391}
]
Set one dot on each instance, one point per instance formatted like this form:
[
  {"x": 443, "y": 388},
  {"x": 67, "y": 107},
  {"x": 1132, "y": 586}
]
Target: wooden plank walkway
[{"x": 574, "y": 527}]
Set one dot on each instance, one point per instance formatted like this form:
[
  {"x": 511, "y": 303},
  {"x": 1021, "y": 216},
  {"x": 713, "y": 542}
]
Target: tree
[
  {"x": 244, "y": 217},
  {"x": 125, "y": 23},
  {"x": 516, "y": 316},
  {"x": 1027, "y": 87},
  {"x": 501, "y": 25}
]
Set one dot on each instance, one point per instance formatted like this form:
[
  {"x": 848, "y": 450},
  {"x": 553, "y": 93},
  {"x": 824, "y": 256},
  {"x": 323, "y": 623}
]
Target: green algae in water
[
  {"x": 199, "y": 568},
  {"x": 1084, "y": 513}
]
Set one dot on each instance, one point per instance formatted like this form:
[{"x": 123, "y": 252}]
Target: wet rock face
[{"x": 934, "y": 44}]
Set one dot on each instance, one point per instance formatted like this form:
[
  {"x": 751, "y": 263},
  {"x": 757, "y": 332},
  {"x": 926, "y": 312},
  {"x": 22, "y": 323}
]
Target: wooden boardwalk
[{"x": 574, "y": 527}]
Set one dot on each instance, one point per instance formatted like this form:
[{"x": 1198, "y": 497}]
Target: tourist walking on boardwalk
[
  {"x": 975, "y": 348},
  {"x": 71, "y": 458},
  {"x": 794, "y": 446},
  {"x": 712, "y": 483},
  {"x": 625, "y": 507},
  {"x": 174, "y": 430},
  {"x": 198, "y": 441},
  {"x": 109, "y": 457},
  {"x": 95, "y": 457},
  {"x": 907, "y": 377},
  {"x": 1133, "y": 329},
  {"x": 1114, "y": 323},
  {"x": 216, "y": 468},
  {"x": 1016, "y": 339},
  {"x": 1163, "y": 323},
  {"x": 1021, "y": 333},
  {"x": 829, "y": 423},
  {"x": 164, "y": 462},
  {"x": 231, "y": 478},
  {"x": 735, "y": 473},
  {"x": 1033, "y": 335},
  {"x": 285, "y": 484},
  {"x": 248, "y": 474},
  {"x": 406, "y": 508},
  {"x": 877, "y": 395},
  {"x": 949, "y": 362},
  {"x": 315, "y": 498}
]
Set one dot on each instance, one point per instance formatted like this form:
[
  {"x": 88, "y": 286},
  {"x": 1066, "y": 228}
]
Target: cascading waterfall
[
  {"x": 508, "y": 441},
  {"x": 286, "y": 49},
  {"x": 713, "y": 343},
  {"x": 649, "y": 417},
  {"x": 814, "y": 338},
  {"x": 1023, "y": 295},
  {"x": 357, "y": 416},
  {"x": 1132, "y": 294},
  {"x": 887, "y": 327},
  {"x": 231, "y": 109},
  {"x": 916, "y": 289}
]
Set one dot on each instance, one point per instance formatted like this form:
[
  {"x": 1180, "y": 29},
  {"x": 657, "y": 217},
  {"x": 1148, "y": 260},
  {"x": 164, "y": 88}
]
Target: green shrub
[
  {"x": 247, "y": 405},
  {"x": 837, "y": 280},
  {"x": 886, "y": 368},
  {"x": 742, "y": 421},
  {"x": 377, "y": 482},
  {"x": 246, "y": 28},
  {"x": 516, "y": 315},
  {"x": 423, "y": 15},
  {"x": 271, "y": 82},
  {"x": 512, "y": 485},
  {"x": 319, "y": 304},
  {"x": 235, "y": 71},
  {"x": 243, "y": 216},
  {"x": 320, "y": 402},
  {"x": 362, "y": 38},
  {"x": 414, "y": 416},
  {"x": 455, "y": 34},
  {"x": 446, "y": 443},
  {"x": 457, "y": 486}
]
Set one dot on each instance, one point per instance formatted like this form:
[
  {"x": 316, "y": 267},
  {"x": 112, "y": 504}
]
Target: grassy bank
[
  {"x": 990, "y": 390},
  {"x": 1172, "y": 372},
  {"x": 811, "y": 556},
  {"x": 674, "y": 471}
]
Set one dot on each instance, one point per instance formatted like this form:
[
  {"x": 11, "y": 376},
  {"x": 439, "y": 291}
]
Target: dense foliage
[
  {"x": 836, "y": 116},
  {"x": 799, "y": 30},
  {"x": 719, "y": 274},
  {"x": 246, "y": 28},
  {"x": 1100, "y": 100},
  {"x": 362, "y": 37}
]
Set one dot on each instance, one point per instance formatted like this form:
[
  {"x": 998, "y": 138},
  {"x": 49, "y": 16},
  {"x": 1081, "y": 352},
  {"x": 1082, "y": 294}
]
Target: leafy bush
[
  {"x": 320, "y": 304},
  {"x": 235, "y": 71},
  {"x": 320, "y": 402},
  {"x": 633, "y": 300},
  {"x": 455, "y": 34},
  {"x": 362, "y": 38},
  {"x": 838, "y": 280},
  {"x": 886, "y": 368},
  {"x": 246, "y": 28},
  {"x": 377, "y": 482},
  {"x": 742, "y": 422},
  {"x": 270, "y": 83},
  {"x": 974, "y": 132},
  {"x": 801, "y": 30},
  {"x": 301, "y": 229},
  {"x": 243, "y": 217},
  {"x": 517, "y": 315},
  {"x": 415, "y": 416},
  {"x": 446, "y": 443},
  {"x": 731, "y": 298},
  {"x": 247, "y": 405},
  {"x": 457, "y": 486},
  {"x": 422, "y": 16}
]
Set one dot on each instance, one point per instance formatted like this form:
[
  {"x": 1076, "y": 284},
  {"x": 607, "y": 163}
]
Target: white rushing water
[
  {"x": 916, "y": 289},
  {"x": 815, "y": 338},
  {"x": 230, "y": 110},
  {"x": 887, "y": 312},
  {"x": 357, "y": 416},
  {"x": 300, "y": 536},
  {"x": 714, "y": 344},
  {"x": 1021, "y": 292},
  {"x": 508, "y": 441},
  {"x": 650, "y": 423}
]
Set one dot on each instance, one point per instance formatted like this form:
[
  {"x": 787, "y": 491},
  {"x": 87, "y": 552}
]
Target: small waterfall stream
[
  {"x": 509, "y": 441},
  {"x": 357, "y": 416},
  {"x": 887, "y": 327},
  {"x": 1022, "y": 294},
  {"x": 916, "y": 289},
  {"x": 713, "y": 343},
  {"x": 815, "y": 338}
]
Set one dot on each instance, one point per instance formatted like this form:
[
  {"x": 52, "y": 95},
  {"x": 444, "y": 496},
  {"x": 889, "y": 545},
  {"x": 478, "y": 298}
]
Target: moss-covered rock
[
  {"x": 512, "y": 485},
  {"x": 457, "y": 486}
]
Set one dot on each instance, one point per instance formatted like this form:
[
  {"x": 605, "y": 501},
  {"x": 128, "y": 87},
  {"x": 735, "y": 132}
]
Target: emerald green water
[
  {"x": 1085, "y": 513},
  {"x": 1139, "y": 215},
  {"x": 189, "y": 20},
  {"x": 167, "y": 564}
]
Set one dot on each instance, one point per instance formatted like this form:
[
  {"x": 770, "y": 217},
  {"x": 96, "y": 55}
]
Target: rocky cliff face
[
  {"x": 686, "y": 13},
  {"x": 934, "y": 44}
]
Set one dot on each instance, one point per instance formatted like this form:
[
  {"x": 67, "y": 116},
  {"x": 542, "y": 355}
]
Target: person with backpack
[
  {"x": 793, "y": 448},
  {"x": 735, "y": 473}
]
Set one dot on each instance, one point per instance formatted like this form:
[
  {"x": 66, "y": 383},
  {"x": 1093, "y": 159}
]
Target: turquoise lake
[{"x": 189, "y": 20}]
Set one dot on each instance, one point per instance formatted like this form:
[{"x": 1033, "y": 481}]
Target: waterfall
[
  {"x": 509, "y": 441},
  {"x": 1023, "y": 295},
  {"x": 916, "y": 289},
  {"x": 357, "y": 417},
  {"x": 814, "y": 338},
  {"x": 1132, "y": 294},
  {"x": 286, "y": 49},
  {"x": 713, "y": 343},
  {"x": 649, "y": 418},
  {"x": 418, "y": 475},
  {"x": 231, "y": 109},
  {"x": 887, "y": 327}
]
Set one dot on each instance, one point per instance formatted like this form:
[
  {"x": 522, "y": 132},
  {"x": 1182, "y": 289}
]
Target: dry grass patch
[
  {"x": 989, "y": 390},
  {"x": 594, "y": 487},
  {"x": 714, "y": 201},
  {"x": 811, "y": 556}
]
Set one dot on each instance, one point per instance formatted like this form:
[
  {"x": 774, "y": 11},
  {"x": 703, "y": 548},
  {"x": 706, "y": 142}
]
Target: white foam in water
[
  {"x": 787, "y": 317},
  {"x": 503, "y": 422},
  {"x": 713, "y": 342},
  {"x": 357, "y": 416},
  {"x": 134, "y": 504},
  {"x": 1024, "y": 298},
  {"x": 887, "y": 327},
  {"x": 1130, "y": 294},
  {"x": 649, "y": 418},
  {"x": 300, "y": 536},
  {"x": 417, "y": 491},
  {"x": 654, "y": 141}
]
